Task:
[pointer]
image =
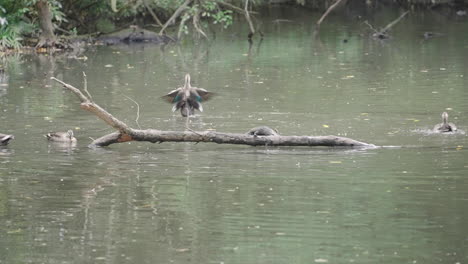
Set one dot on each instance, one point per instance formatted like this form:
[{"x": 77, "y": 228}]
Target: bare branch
[
  {"x": 181, "y": 25},
  {"x": 90, "y": 106},
  {"x": 156, "y": 19},
  {"x": 196, "y": 24},
  {"x": 247, "y": 17},
  {"x": 175, "y": 15},
  {"x": 233, "y": 7},
  {"x": 76, "y": 91}
]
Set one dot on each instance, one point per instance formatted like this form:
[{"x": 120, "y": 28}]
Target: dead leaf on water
[
  {"x": 15, "y": 231},
  {"x": 321, "y": 260}
]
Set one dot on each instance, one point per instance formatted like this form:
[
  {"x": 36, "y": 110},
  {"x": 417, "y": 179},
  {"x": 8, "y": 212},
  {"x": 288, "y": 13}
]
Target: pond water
[{"x": 207, "y": 203}]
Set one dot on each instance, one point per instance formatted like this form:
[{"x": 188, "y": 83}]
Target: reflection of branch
[
  {"x": 327, "y": 12},
  {"x": 138, "y": 111},
  {"x": 371, "y": 27},
  {"x": 393, "y": 22},
  {"x": 85, "y": 86}
]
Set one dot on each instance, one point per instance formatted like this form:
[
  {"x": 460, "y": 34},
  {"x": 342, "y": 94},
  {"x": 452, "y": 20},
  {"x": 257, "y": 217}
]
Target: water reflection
[{"x": 210, "y": 203}]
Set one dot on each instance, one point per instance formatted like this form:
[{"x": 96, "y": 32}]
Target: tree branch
[
  {"x": 88, "y": 105},
  {"x": 175, "y": 15},
  {"x": 247, "y": 17},
  {"x": 155, "y": 17}
]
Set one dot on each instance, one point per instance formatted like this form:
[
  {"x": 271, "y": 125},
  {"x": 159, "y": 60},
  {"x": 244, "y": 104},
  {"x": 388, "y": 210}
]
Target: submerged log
[
  {"x": 126, "y": 133},
  {"x": 133, "y": 34}
]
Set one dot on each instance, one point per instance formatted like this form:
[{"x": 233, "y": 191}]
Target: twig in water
[
  {"x": 85, "y": 87},
  {"x": 371, "y": 27},
  {"x": 138, "y": 111}
]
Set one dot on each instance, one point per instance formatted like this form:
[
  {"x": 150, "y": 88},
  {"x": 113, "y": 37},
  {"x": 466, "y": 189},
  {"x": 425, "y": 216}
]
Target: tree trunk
[
  {"x": 47, "y": 37},
  {"x": 252, "y": 138}
]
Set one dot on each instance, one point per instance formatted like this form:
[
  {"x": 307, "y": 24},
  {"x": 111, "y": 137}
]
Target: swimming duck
[
  {"x": 187, "y": 98},
  {"x": 4, "y": 139},
  {"x": 445, "y": 126},
  {"x": 61, "y": 137}
]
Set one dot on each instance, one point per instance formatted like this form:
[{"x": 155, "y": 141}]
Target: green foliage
[
  {"x": 13, "y": 25},
  {"x": 19, "y": 18},
  {"x": 211, "y": 9},
  {"x": 223, "y": 17}
]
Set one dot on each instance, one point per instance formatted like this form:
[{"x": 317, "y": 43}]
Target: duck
[
  {"x": 5, "y": 139},
  {"x": 445, "y": 126},
  {"x": 187, "y": 98},
  {"x": 64, "y": 137}
]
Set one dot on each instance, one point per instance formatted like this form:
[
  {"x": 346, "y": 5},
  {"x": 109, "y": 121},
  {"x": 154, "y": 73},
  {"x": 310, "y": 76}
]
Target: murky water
[{"x": 209, "y": 203}]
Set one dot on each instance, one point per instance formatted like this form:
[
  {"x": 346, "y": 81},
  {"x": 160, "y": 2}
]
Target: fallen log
[{"x": 126, "y": 134}]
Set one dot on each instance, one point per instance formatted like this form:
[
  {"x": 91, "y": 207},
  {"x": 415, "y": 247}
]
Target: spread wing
[
  {"x": 171, "y": 97},
  {"x": 203, "y": 94}
]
